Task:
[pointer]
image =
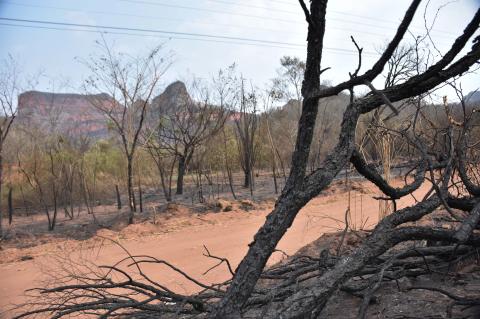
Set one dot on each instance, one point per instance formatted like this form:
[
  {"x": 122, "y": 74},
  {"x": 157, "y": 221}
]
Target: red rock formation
[{"x": 69, "y": 114}]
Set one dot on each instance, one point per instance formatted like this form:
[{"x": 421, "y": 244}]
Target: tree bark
[
  {"x": 119, "y": 200},
  {"x": 131, "y": 200},
  {"x": 166, "y": 184},
  {"x": 10, "y": 206},
  {"x": 247, "y": 181},
  {"x": 293, "y": 197},
  {"x": 309, "y": 304},
  {"x": 227, "y": 166},
  {"x": 140, "y": 197},
  {"x": 181, "y": 174}
]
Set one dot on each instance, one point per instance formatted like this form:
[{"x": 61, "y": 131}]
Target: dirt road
[{"x": 226, "y": 234}]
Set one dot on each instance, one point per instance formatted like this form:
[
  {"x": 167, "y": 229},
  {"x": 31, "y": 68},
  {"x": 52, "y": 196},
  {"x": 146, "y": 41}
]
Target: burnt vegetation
[{"x": 436, "y": 144}]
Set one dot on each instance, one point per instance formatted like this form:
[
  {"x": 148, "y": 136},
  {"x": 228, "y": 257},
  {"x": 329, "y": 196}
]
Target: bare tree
[
  {"x": 224, "y": 91},
  {"x": 286, "y": 87},
  {"x": 268, "y": 99},
  {"x": 193, "y": 121},
  {"x": 9, "y": 89},
  {"x": 122, "y": 88},
  {"x": 300, "y": 188},
  {"x": 36, "y": 160},
  {"x": 164, "y": 161},
  {"x": 246, "y": 124}
]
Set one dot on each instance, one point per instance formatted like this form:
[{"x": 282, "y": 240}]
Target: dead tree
[
  {"x": 119, "y": 199},
  {"x": 246, "y": 124},
  {"x": 300, "y": 188},
  {"x": 35, "y": 162},
  {"x": 193, "y": 122},
  {"x": 267, "y": 104},
  {"x": 224, "y": 91},
  {"x": 227, "y": 165},
  {"x": 9, "y": 89},
  {"x": 122, "y": 89},
  {"x": 164, "y": 161}
]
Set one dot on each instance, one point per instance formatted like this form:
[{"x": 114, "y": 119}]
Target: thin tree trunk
[
  {"x": 140, "y": 197},
  {"x": 274, "y": 173},
  {"x": 230, "y": 182},
  {"x": 55, "y": 210},
  {"x": 274, "y": 161},
  {"x": 10, "y": 206},
  {"x": 227, "y": 166},
  {"x": 119, "y": 200},
  {"x": 294, "y": 196},
  {"x": 47, "y": 212},
  {"x": 134, "y": 201},
  {"x": 131, "y": 195},
  {"x": 170, "y": 178},
  {"x": 181, "y": 174},
  {"x": 247, "y": 180},
  {"x": 167, "y": 190}
]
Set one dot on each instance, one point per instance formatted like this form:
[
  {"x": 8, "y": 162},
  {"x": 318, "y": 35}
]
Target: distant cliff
[
  {"x": 70, "y": 114},
  {"x": 74, "y": 114}
]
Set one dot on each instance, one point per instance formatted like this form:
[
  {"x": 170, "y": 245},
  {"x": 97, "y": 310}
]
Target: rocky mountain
[
  {"x": 473, "y": 97},
  {"x": 75, "y": 114},
  {"x": 175, "y": 94},
  {"x": 70, "y": 114}
]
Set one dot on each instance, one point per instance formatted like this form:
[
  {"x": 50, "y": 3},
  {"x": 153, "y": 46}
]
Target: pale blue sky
[{"x": 371, "y": 22}]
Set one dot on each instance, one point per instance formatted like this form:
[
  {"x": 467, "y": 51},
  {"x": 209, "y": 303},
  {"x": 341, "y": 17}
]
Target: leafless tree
[
  {"x": 268, "y": 100},
  {"x": 9, "y": 89},
  {"x": 193, "y": 121},
  {"x": 246, "y": 124},
  {"x": 165, "y": 162},
  {"x": 36, "y": 161},
  {"x": 300, "y": 188},
  {"x": 122, "y": 87},
  {"x": 224, "y": 91}
]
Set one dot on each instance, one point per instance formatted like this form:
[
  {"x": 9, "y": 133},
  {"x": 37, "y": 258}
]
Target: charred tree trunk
[
  {"x": 183, "y": 162},
  {"x": 181, "y": 174},
  {"x": 55, "y": 212},
  {"x": 119, "y": 200},
  {"x": 131, "y": 195},
  {"x": 274, "y": 174},
  {"x": 140, "y": 197},
  {"x": 227, "y": 165},
  {"x": 289, "y": 203},
  {"x": 166, "y": 189},
  {"x": 247, "y": 181},
  {"x": 10, "y": 206}
]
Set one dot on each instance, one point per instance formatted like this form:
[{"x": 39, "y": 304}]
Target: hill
[{"x": 69, "y": 114}]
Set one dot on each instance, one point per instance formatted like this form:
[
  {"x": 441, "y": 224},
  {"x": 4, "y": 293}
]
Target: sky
[{"x": 204, "y": 35}]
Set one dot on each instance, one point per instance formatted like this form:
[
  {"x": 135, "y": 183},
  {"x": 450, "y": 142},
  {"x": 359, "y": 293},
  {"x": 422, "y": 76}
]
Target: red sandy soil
[{"x": 178, "y": 237}]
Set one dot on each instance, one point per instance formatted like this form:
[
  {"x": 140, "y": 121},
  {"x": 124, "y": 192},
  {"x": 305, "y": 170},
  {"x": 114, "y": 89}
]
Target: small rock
[{"x": 25, "y": 258}]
